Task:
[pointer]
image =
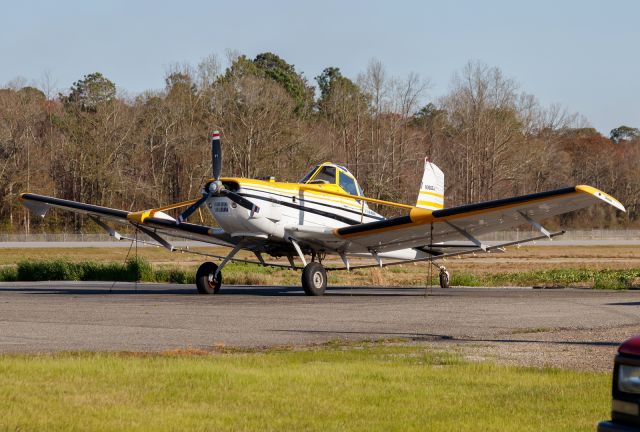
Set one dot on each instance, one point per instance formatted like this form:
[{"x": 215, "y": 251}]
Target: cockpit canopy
[{"x": 329, "y": 173}]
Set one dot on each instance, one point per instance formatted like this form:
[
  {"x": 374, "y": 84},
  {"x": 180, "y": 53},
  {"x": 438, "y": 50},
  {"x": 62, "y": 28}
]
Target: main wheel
[
  {"x": 205, "y": 282},
  {"x": 444, "y": 278},
  {"x": 314, "y": 279}
]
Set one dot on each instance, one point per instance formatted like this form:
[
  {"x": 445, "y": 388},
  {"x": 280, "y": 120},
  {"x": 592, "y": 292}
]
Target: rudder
[{"x": 431, "y": 195}]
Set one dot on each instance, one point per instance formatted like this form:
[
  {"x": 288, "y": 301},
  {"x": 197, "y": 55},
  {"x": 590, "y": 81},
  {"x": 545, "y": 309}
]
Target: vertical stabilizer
[{"x": 431, "y": 194}]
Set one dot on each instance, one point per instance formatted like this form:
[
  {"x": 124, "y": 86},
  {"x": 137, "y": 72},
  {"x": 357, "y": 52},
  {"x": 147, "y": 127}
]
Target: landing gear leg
[
  {"x": 209, "y": 275},
  {"x": 207, "y": 281},
  {"x": 314, "y": 279}
]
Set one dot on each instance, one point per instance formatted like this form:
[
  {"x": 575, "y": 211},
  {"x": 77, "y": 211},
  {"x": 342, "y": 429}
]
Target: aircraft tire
[
  {"x": 204, "y": 285},
  {"x": 314, "y": 279},
  {"x": 444, "y": 279}
]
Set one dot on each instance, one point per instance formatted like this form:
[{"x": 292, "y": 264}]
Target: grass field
[
  {"x": 365, "y": 386},
  {"x": 526, "y": 258}
]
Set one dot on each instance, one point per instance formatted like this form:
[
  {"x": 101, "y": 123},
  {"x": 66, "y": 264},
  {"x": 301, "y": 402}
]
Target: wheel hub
[{"x": 318, "y": 279}]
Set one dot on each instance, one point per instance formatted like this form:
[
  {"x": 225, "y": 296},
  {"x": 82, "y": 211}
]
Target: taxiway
[{"x": 101, "y": 316}]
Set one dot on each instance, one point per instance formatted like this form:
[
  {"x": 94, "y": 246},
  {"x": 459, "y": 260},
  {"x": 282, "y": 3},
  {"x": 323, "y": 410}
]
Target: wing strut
[
  {"x": 536, "y": 225},
  {"x": 113, "y": 233},
  {"x": 116, "y": 235},
  {"x": 156, "y": 237},
  {"x": 430, "y": 258},
  {"x": 377, "y": 257},
  {"x": 468, "y": 236}
]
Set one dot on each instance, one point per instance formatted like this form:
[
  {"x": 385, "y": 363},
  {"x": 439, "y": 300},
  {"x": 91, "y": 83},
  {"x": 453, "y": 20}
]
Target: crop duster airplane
[{"x": 326, "y": 213}]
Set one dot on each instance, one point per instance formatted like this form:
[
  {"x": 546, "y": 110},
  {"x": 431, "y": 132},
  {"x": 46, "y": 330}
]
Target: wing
[
  {"x": 439, "y": 232},
  {"x": 152, "y": 221}
]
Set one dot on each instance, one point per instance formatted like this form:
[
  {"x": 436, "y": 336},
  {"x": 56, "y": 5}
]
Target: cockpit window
[
  {"x": 327, "y": 175},
  {"x": 348, "y": 184},
  {"x": 308, "y": 175}
]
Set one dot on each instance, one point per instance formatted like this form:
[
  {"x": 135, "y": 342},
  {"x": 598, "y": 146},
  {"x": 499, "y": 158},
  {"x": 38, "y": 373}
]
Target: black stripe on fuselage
[
  {"x": 317, "y": 203},
  {"x": 304, "y": 209}
]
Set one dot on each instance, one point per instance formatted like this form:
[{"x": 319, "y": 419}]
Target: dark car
[{"x": 625, "y": 406}]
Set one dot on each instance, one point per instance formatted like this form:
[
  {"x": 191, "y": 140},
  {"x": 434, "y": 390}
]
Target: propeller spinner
[{"x": 215, "y": 187}]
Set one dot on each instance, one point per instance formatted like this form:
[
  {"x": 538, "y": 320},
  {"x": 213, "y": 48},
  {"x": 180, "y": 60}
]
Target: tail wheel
[
  {"x": 205, "y": 281},
  {"x": 444, "y": 278},
  {"x": 314, "y": 279}
]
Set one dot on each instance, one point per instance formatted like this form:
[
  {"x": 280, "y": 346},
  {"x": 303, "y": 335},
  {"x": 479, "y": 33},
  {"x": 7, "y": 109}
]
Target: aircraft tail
[{"x": 431, "y": 194}]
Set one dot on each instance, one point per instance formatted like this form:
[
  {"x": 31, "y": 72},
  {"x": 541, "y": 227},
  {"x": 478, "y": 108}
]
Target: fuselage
[{"x": 285, "y": 205}]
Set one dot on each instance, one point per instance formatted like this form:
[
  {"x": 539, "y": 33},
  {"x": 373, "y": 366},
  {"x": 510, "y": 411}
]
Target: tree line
[{"x": 491, "y": 139}]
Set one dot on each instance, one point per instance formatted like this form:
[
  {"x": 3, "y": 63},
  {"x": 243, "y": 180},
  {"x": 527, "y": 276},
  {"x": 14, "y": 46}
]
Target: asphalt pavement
[{"x": 103, "y": 316}]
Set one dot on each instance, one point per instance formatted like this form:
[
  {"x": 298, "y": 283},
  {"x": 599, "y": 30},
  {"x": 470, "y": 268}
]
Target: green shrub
[
  {"x": 174, "y": 276},
  {"x": 139, "y": 269},
  {"x": 182, "y": 277},
  {"x": 136, "y": 269},
  {"x": 48, "y": 270}
]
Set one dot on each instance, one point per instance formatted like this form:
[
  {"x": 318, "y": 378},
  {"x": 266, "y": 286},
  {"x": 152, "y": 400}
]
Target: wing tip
[{"x": 601, "y": 195}]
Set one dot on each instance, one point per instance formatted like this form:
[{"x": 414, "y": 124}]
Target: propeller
[{"x": 215, "y": 187}]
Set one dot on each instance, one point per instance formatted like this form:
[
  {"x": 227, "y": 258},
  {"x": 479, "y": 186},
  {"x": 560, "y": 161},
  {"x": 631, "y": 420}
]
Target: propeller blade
[
  {"x": 193, "y": 207},
  {"x": 216, "y": 155},
  {"x": 240, "y": 200}
]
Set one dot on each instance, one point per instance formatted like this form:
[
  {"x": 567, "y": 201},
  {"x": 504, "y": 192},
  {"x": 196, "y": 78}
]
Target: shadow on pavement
[
  {"x": 637, "y": 303},
  {"x": 128, "y": 288},
  {"x": 429, "y": 337},
  {"x": 102, "y": 290}
]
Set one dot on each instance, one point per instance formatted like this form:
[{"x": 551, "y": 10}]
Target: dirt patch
[{"x": 579, "y": 349}]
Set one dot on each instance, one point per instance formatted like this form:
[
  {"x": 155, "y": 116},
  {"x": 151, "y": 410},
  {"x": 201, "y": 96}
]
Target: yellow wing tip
[{"x": 601, "y": 195}]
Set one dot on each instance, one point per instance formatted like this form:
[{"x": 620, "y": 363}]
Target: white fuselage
[{"x": 284, "y": 208}]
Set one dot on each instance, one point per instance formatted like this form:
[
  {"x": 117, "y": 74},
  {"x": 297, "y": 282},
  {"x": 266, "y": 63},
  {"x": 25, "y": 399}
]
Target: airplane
[{"x": 327, "y": 214}]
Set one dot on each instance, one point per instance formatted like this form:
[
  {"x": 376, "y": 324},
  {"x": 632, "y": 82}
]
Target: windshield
[
  {"x": 308, "y": 175},
  {"x": 348, "y": 184},
  {"x": 327, "y": 175}
]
